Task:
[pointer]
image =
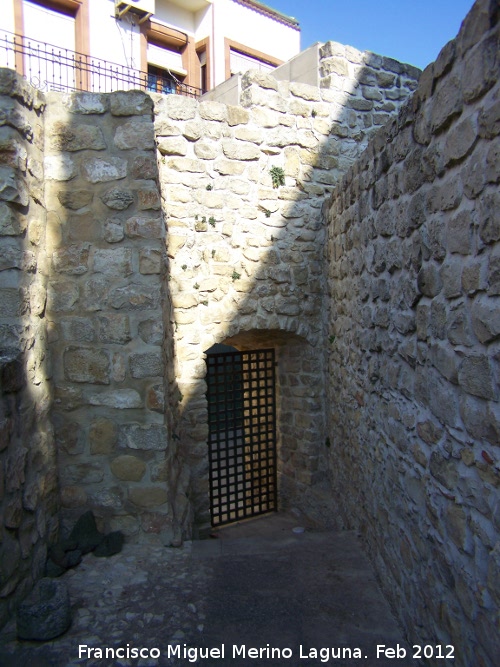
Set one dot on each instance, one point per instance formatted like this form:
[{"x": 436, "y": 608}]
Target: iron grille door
[{"x": 242, "y": 434}]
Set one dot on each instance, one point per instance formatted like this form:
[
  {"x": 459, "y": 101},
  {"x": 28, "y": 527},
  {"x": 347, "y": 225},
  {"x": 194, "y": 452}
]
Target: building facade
[{"x": 160, "y": 45}]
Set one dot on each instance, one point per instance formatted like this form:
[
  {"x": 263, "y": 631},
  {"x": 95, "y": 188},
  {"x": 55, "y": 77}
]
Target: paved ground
[{"x": 257, "y": 585}]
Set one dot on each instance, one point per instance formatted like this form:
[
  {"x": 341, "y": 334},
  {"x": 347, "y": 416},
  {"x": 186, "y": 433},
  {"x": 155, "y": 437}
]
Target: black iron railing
[{"x": 48, "y": 67}]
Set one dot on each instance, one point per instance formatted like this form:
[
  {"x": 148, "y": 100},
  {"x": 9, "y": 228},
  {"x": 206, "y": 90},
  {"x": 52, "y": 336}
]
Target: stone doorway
[
  {"x": 241, "y": 397},
  {"x": 300, "y": 436}
]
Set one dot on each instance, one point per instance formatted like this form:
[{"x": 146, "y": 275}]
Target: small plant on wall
[{"x": 277, "y": 176}]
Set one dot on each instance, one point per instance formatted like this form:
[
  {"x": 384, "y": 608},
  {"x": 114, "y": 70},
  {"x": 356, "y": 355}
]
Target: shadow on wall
[
  {"x": 108, "y": 314},
  {"x": 246, "y": 249},
  {"x": 28, "y": 477}
]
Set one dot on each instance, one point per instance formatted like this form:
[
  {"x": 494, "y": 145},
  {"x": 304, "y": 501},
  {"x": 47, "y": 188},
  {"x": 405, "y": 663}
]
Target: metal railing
[{"x": 48, "y": 67}]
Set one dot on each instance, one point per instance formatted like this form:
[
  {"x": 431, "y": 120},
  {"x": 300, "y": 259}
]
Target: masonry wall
[
  {"x": 413, "y": 332},
  {"x": 106, "y": 307},
  {"x": 123, "y": 296},
  {"x": 245, "y": 254},
  {"x": 28, "y": 476}
]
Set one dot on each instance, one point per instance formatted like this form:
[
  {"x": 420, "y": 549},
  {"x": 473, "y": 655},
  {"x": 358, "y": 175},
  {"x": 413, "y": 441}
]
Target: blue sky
[{"x": 412, "y": 31}]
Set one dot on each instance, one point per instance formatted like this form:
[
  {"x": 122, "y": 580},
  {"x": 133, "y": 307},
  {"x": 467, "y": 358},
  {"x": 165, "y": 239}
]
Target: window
[
  {"x": 241, "y": 62},
  {"x": 241, "y": 58},
  {"x": 54, "y": 70},
  {"x": 203, "y": 71},
  {"x": 161, "y": 80},
  {"x": 165, "y": 69}
]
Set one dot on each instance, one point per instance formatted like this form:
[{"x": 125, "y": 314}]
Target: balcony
[{"x": 52, "y": 68}]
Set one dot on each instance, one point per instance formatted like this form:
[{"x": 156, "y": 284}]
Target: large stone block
[
  {"x": 240, "y": 150},
  {"x": 103, "y": 436},
  {"x": 486, "y": 318},
  {"x": 62, "y": 296},
  {"x": 89, "y": 365},
  {"x": 429, "y": 280},
  {"x": 10, "y": 223},
  {"x": 445, "y": 470},
  {"x": 75, "y": 199},
  {"x": 128, "y": 468},
  {"x": 13, "y": 188},
  {"x": 130, "y": 103},
  {"x": 82, "y": 474},
  {"x": 446, "y": 103},
  {"x": 229, "y": 167},
  {"x": 176, "y": 107},
  {"x": 119, "y": 399},
  {"x": 113, "y": 328},
  {"x": 305, "y": 91},
  {"x": 237, "y": 115},
  {"x": 150, "y": 261},
  {"x": 46, "y": 612},
  {"x": 151, "y": 437},
  {"x": 172, "y": 146},
  {"x": 489, "y": 120},
  {"x": 186, "y": 164},
  {"x": 480, "y": 70},
  {"x": 151, "y": 331},
  {"x": 489, "y": 215},
  {"x": 143, "y": 227},
  {"x": 118, "y": 199},
  {"x": 59, "y": 167},
  {"x": 475, "y": 376},
  {"x": 114, "y": 262},
  {"x": 73, "y": 497},
  {"x": 136, "y": 297},
  {"x": 74, "y": 137},
  {"x": 146, "y": 364},
  {"x": 460, "y": 233},
  {"x": 213, "y": 111},
  {"x": 12, "y": 303},
  {"x": 135, "y": 134},
  {"x": 101, "y": 170},
  {"x": 206, "y": 149},
  {"x": 148, "y": 197},
  {"x": 155, "y": 399},
  {"x": 148, "y": 496},
  {"x": 86, "y": 103},
  {"x": 72, "y": 260},
  {"x": 144, "y": 166},
  {"x": 460, "y": 141}
]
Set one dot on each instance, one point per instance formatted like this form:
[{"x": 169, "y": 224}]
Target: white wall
[
  {"x": 112, "y": 40},
  {"x": 251, "y": 28},
  {"x": 174, "y": 16},
  {"x": 203, "y": 23},
  {"x": 7, "y": 16},
  {"x": 7, "y": 58}
]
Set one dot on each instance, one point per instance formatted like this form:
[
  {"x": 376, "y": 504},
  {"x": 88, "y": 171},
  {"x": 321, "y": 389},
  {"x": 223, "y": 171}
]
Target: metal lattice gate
[{"x": 242, "y": 434}]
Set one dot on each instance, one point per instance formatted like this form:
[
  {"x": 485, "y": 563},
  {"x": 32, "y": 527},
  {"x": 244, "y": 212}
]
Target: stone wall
[
  {"x": 242, "y": 255},
  {"x": 413, "y": 333},
  {"x": 28, "y": 478},
  {"x": 106, "y": 307},
  {"x": 246, "y": 254},
  {"x": 137, "y": 231},
  {"x": 370, "y": 86}
]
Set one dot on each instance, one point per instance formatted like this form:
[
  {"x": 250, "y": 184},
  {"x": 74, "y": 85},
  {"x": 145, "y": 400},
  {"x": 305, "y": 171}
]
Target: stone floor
[{"x": 264, "y": 584}]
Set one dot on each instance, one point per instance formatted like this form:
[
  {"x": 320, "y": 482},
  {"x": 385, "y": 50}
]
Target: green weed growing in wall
[{"x": 277, "y": 176}]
